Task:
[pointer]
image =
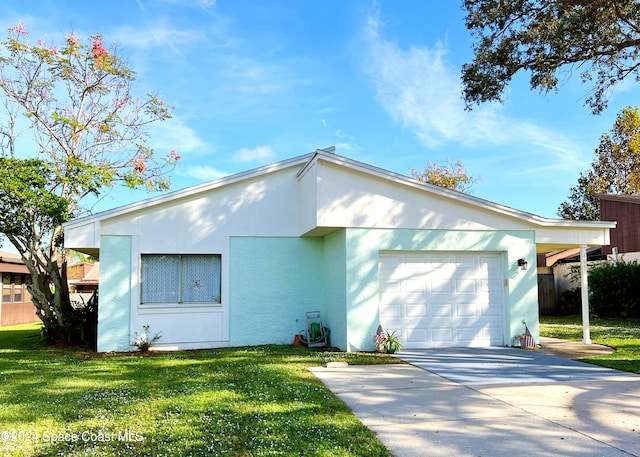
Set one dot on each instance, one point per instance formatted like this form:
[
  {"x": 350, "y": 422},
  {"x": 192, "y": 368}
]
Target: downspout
[{"x": 584, "y": 283}]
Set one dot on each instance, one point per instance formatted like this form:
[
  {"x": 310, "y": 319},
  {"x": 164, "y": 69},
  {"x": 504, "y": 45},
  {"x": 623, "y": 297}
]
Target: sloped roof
[
  {"x": 307, "y": 160},
  {"x": 632, "y": 199},
  {"x": 91, "y": 277},
  {"x": 12, "y": 263},
  {"x": 192, "y": 190},
  {"x": 551, "y": 234},
  {"x": 451, "y": 194}
]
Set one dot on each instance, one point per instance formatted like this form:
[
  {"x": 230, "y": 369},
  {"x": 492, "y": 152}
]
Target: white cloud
[
  {"x": 421, "y": 90},
  {"x": 203, "y": 172},
  {"x": 259, "y": 153},
  {"x": 176, "y": 134},
  {"x": 347, "y": 142},
  {"x": 160, "y": 34}
]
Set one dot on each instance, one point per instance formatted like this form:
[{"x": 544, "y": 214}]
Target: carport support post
[{"x": 584, "y": 284}]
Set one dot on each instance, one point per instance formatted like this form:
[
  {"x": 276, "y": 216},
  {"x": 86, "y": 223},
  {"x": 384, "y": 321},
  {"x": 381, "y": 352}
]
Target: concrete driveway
[{"x": 493, "y": 402}]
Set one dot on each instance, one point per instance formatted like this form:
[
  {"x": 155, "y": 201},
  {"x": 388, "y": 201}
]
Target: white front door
[{"x": 443, "y": 299}]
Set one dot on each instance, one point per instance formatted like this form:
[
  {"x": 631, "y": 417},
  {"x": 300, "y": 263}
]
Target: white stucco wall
[
  {"x": 203, "y": 224},
  {"x": 348, "y": 198}
]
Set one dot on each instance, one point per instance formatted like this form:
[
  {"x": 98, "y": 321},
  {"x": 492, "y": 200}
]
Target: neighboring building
[
  {"x": 239, "y": 261},
  {"x": 83, "y": 281},
  {"x": 83, "y": 277},
  {"x": 625, "y": 237},
  {"x": 16, "y": 306},
  {"x": 555, "y": 272}
]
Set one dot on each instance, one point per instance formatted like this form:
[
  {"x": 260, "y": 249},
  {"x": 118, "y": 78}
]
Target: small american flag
[
  {"x": 381, "y": 336},
  {"x": 528, "y": 341}
]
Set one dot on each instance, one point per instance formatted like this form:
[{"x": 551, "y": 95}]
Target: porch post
[{"x": 584, "y": 284}]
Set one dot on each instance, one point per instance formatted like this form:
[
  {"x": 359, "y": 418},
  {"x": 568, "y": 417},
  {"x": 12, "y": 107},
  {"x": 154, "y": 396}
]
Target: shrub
[
  {"x": 142, "y": 342},
  {"x": 570, "y": 302},
  {"x": 80, "y": 327},
  {"x": 615, "y": 289}
]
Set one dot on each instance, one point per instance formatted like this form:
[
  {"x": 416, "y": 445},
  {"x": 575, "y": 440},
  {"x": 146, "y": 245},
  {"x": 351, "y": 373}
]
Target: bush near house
[
  {"x": 615, "y": 289},
  {"x": 570, "y": 302}
]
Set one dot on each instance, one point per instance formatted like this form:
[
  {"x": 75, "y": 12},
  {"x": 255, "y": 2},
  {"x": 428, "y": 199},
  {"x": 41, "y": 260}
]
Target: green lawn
[
  {"x": 621, "y": 334},
  {"x": 250, "y": 401}
]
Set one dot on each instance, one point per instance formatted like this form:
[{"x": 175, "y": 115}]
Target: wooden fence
[{"x": 546, "y": 294}]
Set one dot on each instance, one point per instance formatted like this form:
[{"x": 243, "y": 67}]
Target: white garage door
[{"x": 442, "y": 299}]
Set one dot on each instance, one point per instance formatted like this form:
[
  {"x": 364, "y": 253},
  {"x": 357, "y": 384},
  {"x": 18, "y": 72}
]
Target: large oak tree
[{"x": 551, "y": 39}]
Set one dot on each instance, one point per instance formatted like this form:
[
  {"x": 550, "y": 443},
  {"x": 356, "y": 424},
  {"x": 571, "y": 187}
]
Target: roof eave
[
  {"x": 189, "y": 191},
  {"x": 455, "y": 195}
]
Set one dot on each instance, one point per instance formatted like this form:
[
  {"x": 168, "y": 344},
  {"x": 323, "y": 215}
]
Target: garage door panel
[
  {"x": 414, "y": 285},
  {"x": 390, "y": 285},
  {"x": 439, "y": 300},
  {"x": 466, "y": 310},
  {"x": 414, "y": 311},
  {"x": 467, "y": 286},
  {"x": 442, "y": 310},
  {"x": 414, "y": 261},
  {"x": 440, "y": 286},
  {"x": 415, "y": 337},
  {"x": 442, "y": 336},
  {"x": 491, "y": 310},
  {"x": 494, "y": 334},
  {"x": 400, "y": 298},
  {"x": 391, "y": 311},
  {"x": 469, "y": 335}
]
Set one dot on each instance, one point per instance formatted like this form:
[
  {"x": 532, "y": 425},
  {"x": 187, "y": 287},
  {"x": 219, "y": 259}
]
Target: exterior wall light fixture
[{"x": 523, "y": 264}]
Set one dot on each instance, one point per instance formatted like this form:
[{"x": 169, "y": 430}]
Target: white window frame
[{"x": 180, "y": 281}]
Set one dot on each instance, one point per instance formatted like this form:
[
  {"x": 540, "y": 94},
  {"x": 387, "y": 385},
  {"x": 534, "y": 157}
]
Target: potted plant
[{"x": 388, "y": 342}]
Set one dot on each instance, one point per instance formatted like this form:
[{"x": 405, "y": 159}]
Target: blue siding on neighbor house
[
  {"x": 114, "y": 309},
  {"x": 273, "y": 282}
]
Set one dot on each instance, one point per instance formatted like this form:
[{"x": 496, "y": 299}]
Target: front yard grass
[
  {"x": 621, "y": 334},
  {"x": 251, "y": 401}
]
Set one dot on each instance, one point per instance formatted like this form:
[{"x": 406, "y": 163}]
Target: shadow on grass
[
  {"x": 234, "y": 401},
  {"x": 21, "y": 337}
]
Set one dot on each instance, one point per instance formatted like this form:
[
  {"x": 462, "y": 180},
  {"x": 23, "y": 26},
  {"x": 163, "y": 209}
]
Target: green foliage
[
  {"x": 390, "y": 343},
  {"x": 79, "y": 326},
  {"x": 615, "y": 289},
  {"x": 144, "y": 342},
  {"x": 26, "y": 203},
  {"x": 570, "y": 302},
  {"x": 615, "y": 170},
  {"x": 248, "y": 401},
  {"x": 452, "y": 175},
  {"x": 547, "y": 37},
  {"x": 74, "y": 108}
]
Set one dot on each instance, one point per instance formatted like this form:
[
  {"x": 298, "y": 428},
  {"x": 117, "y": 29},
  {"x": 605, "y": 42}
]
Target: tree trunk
[{"x": 50, "y": 295}]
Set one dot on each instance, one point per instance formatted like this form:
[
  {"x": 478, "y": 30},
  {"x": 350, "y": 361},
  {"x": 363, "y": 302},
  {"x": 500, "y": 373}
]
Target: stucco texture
[
  {"x": 362, "y": 253},
  {"x": 114, "y": 309},
  {"x": 275, "y": 281}
]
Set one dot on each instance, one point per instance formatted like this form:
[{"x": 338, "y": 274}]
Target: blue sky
[{"x": 258, "y": 81}]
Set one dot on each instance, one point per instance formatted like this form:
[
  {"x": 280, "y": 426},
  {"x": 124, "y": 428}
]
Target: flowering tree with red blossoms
[
  {"x": 452, "y": 175},
  {"x": 71, "y": 128}
]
